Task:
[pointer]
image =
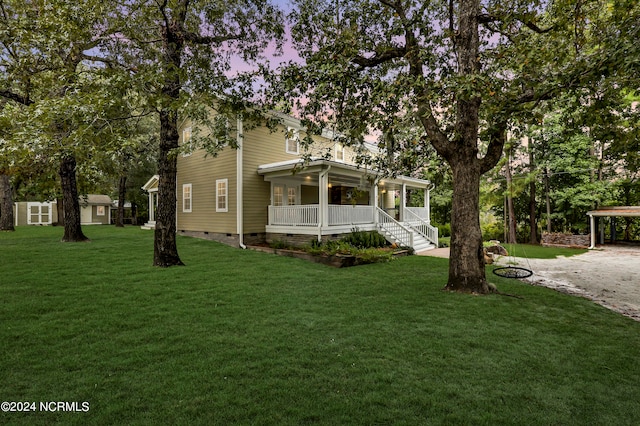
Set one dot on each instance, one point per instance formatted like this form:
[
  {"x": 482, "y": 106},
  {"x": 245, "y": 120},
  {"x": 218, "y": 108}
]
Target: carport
[{"x": 613, "y": 212}]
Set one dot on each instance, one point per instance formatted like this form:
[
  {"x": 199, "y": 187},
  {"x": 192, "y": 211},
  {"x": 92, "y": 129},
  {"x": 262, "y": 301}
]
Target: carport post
[{"x": 592, "y": 225}]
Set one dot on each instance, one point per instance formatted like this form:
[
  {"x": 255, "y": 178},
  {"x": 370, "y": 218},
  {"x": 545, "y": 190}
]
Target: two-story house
[{"x": 264, "y": 190}]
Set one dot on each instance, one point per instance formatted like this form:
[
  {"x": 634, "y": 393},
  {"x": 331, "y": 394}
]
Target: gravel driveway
[{"x": 609, "y": 276}]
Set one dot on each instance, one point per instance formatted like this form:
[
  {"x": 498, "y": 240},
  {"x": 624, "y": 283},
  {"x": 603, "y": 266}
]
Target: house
[
  {"x": 94, "y": 210},
  {"x": 268, "y": 190}
]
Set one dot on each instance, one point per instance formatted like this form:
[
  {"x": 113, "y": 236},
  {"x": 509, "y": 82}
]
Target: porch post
[
  {"x": 403, "y": 201},
  {"x": 323, "y": 198},
  {"x": 427, "y": 204},
  {"x": 374, "y": 200},
  {"x": 151, "y": 207}
]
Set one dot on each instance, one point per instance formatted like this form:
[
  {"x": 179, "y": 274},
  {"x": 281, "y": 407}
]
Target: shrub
[
  {"x": 492, "y": 231},
  {"x": 444, "y": 230},
  {"x": 365, "y": 239}
]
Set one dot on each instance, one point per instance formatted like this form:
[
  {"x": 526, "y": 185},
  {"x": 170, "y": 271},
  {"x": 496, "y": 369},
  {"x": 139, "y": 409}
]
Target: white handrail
[
  {"x": 421, "y": 226},
  {"x": 399, "y": 232}
]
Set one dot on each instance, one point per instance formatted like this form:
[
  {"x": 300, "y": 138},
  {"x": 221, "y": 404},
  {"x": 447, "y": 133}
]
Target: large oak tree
[
  {"x": 462, "y": 70},
  {"x": 181, "y": 57}
]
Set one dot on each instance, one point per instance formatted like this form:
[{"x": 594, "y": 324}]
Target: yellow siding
[
  {"x": 261, "y": 146},
  {"x": 201, "y": 172}
]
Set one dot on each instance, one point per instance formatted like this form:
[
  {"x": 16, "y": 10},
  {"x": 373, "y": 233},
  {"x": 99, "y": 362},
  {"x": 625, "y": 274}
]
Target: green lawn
[{"x": 242, "y": 337}]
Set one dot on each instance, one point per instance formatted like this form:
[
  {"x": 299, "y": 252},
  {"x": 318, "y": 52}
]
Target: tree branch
[
  {"x": 24, "y": 100},
  {"x": 380, "y": 58}
]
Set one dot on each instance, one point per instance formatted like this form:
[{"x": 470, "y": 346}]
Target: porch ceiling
[{"x": 339, "y": 174}]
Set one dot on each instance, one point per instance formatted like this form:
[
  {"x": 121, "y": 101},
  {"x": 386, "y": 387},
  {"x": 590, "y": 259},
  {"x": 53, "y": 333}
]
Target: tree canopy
[{"x": 461, "y": 71}]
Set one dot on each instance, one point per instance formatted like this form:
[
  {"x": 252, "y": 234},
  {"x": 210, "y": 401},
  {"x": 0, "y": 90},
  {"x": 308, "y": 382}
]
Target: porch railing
[
  {"x": 301, "y": 215},
  {"x": 350, "y": 215},
  {"x": 421, "y": 226},
  {"x": 307, "y": 215},
  {"x": 421, "y": 212},
  {"x": 394, "y": 229}
]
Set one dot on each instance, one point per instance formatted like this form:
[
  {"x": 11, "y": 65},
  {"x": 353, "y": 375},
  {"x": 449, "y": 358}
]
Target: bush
[
  {"x": 492, "y": 231},
  {"x": 443, "y": 230},
  {"x": 365, "y": 239}
]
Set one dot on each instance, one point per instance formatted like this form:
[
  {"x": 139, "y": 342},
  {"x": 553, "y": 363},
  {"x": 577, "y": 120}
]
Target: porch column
[
  {"x": 592, "y": 226},
  {"x": 403, "y": 201},
  {"x": 151, "y": 206},
  {"x": 427, "y": 204},
  {"x": 323, "y": 199},
  {"x": 374, "y": 200}
]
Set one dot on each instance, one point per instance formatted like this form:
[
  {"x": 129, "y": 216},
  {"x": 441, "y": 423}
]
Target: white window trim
[
  {"x": 184, "y": 198},
  {"x": 100, "y": 210},
  {"x": 295, "y": 134},
  {"x": 339, "y": 148},
  {"x": 285, "y": 194},
  {"x": 226, "y": 196}
]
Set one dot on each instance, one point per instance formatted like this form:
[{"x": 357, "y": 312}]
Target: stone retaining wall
[{"x": 566, "y": 240}]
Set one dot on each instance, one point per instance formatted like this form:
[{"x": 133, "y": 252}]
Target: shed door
[{"x": 38, "y": 213}]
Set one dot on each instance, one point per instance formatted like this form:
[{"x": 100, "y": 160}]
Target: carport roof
[{"x": 629, "y": 211}]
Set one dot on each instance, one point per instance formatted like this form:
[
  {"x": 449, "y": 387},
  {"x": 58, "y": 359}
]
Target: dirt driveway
[{"x": 609, "y": 276}]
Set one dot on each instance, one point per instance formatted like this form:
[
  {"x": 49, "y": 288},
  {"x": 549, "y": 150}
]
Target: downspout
[{"x": 239, "y": 186}]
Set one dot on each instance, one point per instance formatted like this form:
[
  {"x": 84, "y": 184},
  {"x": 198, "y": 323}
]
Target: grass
[
  {"x": 539, "y": 252},
  {"x": 241, "y": 337}
]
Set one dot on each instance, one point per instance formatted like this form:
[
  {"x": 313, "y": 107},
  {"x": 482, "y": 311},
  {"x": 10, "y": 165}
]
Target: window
[
  {"x": 291, "y": 196},
  {"x": 221, "y": 195},
  {"x": 186, "y": 198},
  {"x": 292, "y": 141},
  {"x": 278, "y": 195},
  {"x": 284, "y": 195},
  {"x": 99, "y": 210},
  {"x": 186, "y": 141},
  {"x": 339, "y": 152}
]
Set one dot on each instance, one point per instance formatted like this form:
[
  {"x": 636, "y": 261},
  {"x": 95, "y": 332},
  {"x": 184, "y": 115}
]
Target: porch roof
[{"x": 290, "y": 167}]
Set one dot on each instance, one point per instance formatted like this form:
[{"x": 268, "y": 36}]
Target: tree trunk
[
  {"x": 511, "y": 211},
  {"x": 466, "y": 260},
  {"x": 6, "y": 204},
  {"x": 60, "y": 210},
  {"x": 134, "y": 213},
  {"x": 122, "y": 191},
  {"x": 165, "y": 250},
  {"x": 533, "y": 227},
  {"x": 72, "y": 227},
  {"x": 548, "y": 200}
]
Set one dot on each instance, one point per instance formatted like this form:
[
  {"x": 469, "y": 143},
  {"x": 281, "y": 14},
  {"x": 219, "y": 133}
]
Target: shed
[{"x": 95, "y": 209}]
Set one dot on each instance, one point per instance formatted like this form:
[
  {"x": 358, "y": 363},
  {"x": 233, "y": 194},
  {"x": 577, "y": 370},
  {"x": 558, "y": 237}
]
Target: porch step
[{"x": 419, "y": 242}]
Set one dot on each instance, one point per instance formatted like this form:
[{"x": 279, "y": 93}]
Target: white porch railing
[
  {"x": 394, "y": 229},
  {"x": 301, "y": 215},
  {"x": 420, "y": 225},
  {"x": 421, "y": 212},
  {"x": 350, "y": 215},
  {"x": 307, "y": 215}
]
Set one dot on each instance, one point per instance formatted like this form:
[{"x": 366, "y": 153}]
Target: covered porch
[{"x": 327, "y": 198}]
